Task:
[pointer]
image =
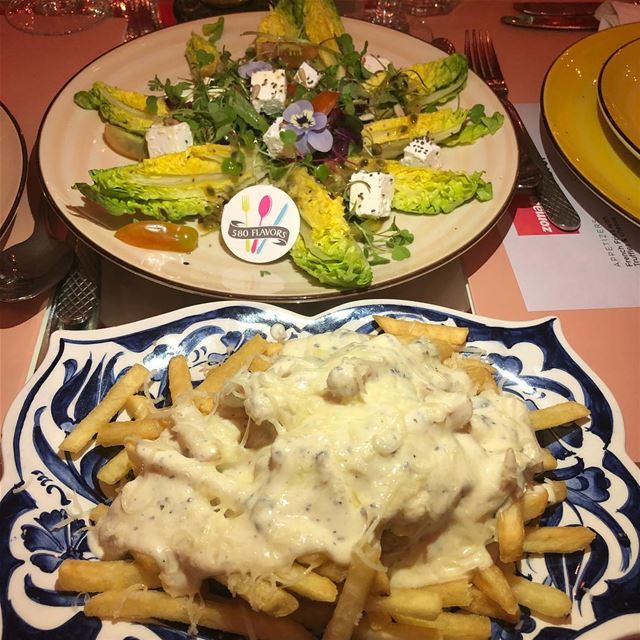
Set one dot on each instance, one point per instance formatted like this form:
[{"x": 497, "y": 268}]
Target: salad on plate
[{"x": 352, "y": 139}]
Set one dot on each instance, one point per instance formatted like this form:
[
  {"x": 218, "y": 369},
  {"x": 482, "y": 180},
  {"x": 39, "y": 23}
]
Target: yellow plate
[
  {"x": 619, "y": 94},
  {"x": 571, "y": 114}
]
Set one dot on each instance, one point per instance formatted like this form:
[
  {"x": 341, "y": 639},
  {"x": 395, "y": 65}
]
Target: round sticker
[{"x": 260, "y": 223}]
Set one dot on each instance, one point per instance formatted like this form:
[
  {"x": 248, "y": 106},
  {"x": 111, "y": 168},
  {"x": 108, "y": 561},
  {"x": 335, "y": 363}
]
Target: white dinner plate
[
  {"x": 13, "y": 168},
  {"x": 40, "y": 489},
  {"x": 71, "y": 143}
]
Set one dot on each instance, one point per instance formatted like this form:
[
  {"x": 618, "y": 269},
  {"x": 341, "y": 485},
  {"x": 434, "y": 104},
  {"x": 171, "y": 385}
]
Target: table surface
[{"x": 525, "y": 56}]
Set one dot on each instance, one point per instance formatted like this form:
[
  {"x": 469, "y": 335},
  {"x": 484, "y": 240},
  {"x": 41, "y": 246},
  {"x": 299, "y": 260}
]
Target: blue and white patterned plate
[{"x": 40, "y": 490}]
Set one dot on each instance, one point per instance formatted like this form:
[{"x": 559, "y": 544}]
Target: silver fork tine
[
  {"x": 492, "y": 60},
  {"x": 533, "y": 174},
  {"x": 469, "y": 51},
  {"x": 483, "y": 60}
]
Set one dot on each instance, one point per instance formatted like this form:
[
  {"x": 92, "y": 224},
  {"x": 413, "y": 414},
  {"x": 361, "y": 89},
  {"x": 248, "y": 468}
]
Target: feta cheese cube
[
  {"x": 307, "y": 76},
  {"x": 272, "y": 140},
  {"x": 168, "y": 138},
  {"x": 370, "y": 194},
  {"x": 373, "y": 63},
  {"x": 421, "y": 152},
  {"x": 269, "y": 91}
]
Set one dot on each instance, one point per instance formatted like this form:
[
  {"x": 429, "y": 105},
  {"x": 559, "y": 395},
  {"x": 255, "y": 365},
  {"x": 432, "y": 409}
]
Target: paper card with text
[{"x": 594, "y": 268}]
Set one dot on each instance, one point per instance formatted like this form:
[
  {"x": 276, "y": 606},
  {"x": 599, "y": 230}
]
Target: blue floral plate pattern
[{"x": 42, "y": 492}]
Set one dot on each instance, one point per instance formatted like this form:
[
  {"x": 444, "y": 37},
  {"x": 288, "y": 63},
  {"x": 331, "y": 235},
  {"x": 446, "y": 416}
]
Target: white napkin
[{"x": 612, "y": 13}]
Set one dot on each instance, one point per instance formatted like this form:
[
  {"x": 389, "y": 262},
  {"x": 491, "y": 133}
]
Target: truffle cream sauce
[{"x": 362, "y": 434}]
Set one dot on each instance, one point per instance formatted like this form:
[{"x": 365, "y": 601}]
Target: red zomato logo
[{"x": 531, "y": 220}]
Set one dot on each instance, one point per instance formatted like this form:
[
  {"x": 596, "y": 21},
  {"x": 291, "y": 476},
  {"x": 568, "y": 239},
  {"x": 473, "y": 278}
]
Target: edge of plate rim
[
  {"x": 323, "y": 295},
  {"x": 59, "y": 337},
  {"x": 606, "y": 112},
  {"x": 544, "y": 113}
]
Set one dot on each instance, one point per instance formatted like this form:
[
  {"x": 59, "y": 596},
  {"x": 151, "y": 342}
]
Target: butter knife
[
  {"x": 557, "y": 8},
  {"x": 570, "y": 23}
]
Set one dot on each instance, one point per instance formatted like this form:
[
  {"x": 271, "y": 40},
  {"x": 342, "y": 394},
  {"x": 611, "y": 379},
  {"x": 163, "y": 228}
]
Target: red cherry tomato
[
  {"x": 325, "y": 101},
  {"x": 154, "y": 234}
]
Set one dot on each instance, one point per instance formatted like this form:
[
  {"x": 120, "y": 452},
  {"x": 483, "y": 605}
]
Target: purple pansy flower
[
  {"x": 248, "y": 69},
  {"x": 310, "y": 126}
]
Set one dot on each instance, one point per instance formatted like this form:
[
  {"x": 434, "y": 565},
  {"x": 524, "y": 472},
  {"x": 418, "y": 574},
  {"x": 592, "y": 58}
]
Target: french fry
[
  {"x": 272, "y": 348},
  {"x": 313, "y": 615},
  {"x": 540, "y": 598},
  {"x": 456, "y": 593},
  {"x": 146, "y": 563},
  {"x": 138, "y": 407},
  {"x": 493, "y": 583},
  {"x": 333, "y": 571},
  {"x": 134, "y": 461},
  {"x": 179, "y": 377},
  {"x": 445, "y": 349},
  {"x": 308, "y": 584},
  {"x": 380, "y": 584},
  {"x": 235, "y": 362},
  {"x": 557, "y": 539},
  {"x": 102, "y": 575},
  {"x": 262, "y": 595},
  {"x": 557, "y": 415},
  {"x": 510, "y": 533},
  {"x": 549, "y": 463},
  {"x": 454, "y": 625},
  {"x": 232, "y": 616},
  {"x": 352, "y": 598},
  {"x": 416, "y": 603},
  {"x": 534, "y": 501},
  {"x": 327, "y": 568},
  {"x": 98, "y": 512},
  {"x": 485, "y": 606},
  {"x": 116, "y": 469},
  {"x": 113, "y": 401},
  {"x": 481, "y": 373},
  {"x": 413, "y": 329},
  {"x": 114, "y": 433},
  {"x": 367, "y": 631},
  {"x": 556, "y": 490}
]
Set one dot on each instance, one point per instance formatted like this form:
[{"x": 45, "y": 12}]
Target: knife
[
  {"x": 571, "y": 23},
  {"x": 557, "y": 8}
]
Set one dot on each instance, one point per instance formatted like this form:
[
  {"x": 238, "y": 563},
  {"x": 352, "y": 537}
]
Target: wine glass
[
  {"x": 389, "y": 13},
  {"x": 55, "y": 17}
]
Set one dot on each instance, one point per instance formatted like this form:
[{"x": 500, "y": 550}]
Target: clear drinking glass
[
  {"x": 389, "y": 13},
  {"x": 55, "y": 17},
  {"x": 423, "y": 8}
]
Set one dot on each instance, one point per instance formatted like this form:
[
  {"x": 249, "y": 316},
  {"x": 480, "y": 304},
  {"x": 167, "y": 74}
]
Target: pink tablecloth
[{"x": 32, "y": 71}]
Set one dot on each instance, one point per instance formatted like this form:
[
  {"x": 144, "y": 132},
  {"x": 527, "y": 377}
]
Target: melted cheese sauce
[{"x": 348, "y": 435}]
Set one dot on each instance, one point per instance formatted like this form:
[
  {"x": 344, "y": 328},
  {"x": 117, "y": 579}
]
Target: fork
[
  {"x": 483, "y": 60},
  {"x": 534, "y": 176}
]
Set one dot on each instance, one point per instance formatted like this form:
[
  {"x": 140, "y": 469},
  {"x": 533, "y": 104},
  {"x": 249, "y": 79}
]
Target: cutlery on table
[
  {"x": 34, "y": 265},
  {"x": 557, "y": 8},
  {"x": 533, "y": 173},
  {"x": 562, "y": 22},
  {"x": 264, "y": 207},
  {"x": 444, "y": 44},
  {"x": 76, "y": 302}
]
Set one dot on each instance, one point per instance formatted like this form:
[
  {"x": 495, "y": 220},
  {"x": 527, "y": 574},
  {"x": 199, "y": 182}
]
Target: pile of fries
[{"x": 317, "y": 597}]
